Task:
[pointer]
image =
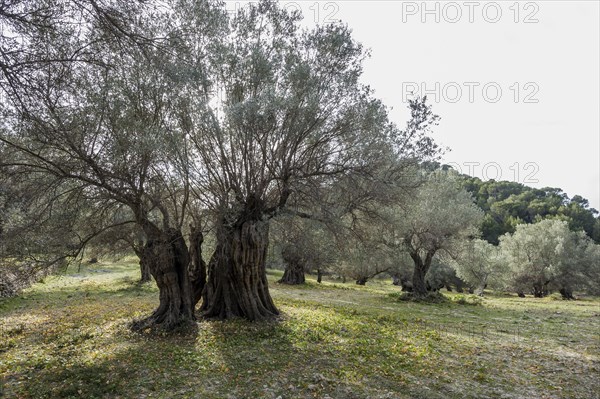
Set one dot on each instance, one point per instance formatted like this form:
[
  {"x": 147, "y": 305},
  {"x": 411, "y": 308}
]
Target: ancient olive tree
[
  {"x": 289, "y": 117},
  {"x": 360, "y": 250},
  {"x": 108, "y": 127},
  {"x": 438, "y": 218},
  {"x": 364, "y": 260}
]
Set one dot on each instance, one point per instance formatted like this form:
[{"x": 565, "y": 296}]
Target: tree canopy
[
  {"x": 165, "y": 115},
  {"x": 507, "y": 204}
]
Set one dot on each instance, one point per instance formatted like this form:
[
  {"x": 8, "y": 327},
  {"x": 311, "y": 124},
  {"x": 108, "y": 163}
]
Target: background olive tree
[
  {"x": 547, "y": 255},
  {"x": 439, "y": 217},
  {"x": 480, "y": 264}
]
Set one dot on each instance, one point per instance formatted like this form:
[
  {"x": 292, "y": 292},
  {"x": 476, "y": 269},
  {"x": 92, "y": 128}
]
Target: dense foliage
[{"x": 507, "y": 204}]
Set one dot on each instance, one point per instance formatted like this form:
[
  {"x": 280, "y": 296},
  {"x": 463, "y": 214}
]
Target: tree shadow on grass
[
  {"x": 102, "y": 365},
  {"x": 73, "y": 293}
]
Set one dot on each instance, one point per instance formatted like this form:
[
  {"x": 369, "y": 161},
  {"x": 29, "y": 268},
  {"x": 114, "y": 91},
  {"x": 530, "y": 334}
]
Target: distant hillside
[{"x": 507, "y": 204}]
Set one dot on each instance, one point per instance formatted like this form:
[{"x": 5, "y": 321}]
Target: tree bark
[
  {"x": 237, "y": 280},
  {"x": 566, "y": 293},
  {"x": 167, "y": 258},
  {"x": 362, "y": 280},
  {"x": 143, "y": 254},
  {"x": 540, "y": 289},
  {"x": 197, "y": 269},
  {"x": 419, "y": 285},
  {"x": 319, "y": 276},
  {"x": 293, "y": 275},
  {"x": 294, "y": 268},
  {"x": 144, "y": 269}
]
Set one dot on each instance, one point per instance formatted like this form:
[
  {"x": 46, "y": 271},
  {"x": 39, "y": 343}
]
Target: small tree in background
[
  {"x": 438, "y": 218},
  {"x": 304, "y": 246},
  {"x": 479, "y": 263},
  {"x": 547, "y": 255}
]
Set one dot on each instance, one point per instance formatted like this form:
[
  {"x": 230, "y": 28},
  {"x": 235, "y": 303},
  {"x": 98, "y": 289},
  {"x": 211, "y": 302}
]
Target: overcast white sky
[{"x": 517, "y": 84}]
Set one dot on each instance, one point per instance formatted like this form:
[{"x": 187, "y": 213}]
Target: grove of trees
[
  {"x": 159, "y": 127},
  {"x": 162, "y": 117}
]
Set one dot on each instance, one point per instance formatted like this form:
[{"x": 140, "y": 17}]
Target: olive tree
[
  {"x": 480, "y": 263},
  {"x": 437, "y": 219},
  {"x": 548, "y": 255},
  {"x": 304, "y": 245},
  {"x": 107, "y": 127},
  {"x": 288, "y": 119}
]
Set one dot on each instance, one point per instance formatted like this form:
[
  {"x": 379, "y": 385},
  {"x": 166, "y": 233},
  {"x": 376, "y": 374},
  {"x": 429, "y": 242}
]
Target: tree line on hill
[{"x": 508, "y": 204}]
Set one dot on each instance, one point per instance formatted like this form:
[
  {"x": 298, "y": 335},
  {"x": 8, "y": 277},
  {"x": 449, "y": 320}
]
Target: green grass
[{"x": 68, "y": 338}]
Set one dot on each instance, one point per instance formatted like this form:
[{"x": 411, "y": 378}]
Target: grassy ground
[{"x": 68, "y": 337}]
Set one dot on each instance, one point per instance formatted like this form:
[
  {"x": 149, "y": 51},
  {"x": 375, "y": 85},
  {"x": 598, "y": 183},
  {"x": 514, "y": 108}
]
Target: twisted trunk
[
  {"x": 540, "y": 289},
  {"x": 362, "y": 280},
  {"x": 237, "y": 280},
  {"x": 293, "y": 275},
  {"x": 566, "y": 293},
  {"x": 167, "y": 258},
  {"x": 294, "y": 268},
  {"x": 419, "y": 285},
  {"x": 197, "y": 265},
  {"x": 143, "y": 254}
]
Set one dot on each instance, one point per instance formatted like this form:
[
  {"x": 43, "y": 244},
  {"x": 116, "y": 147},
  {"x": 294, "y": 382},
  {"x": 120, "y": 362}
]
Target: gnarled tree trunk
[
  {"x": 237, "y": 280},
  {"x": 419, "y": 285},
  {"x": 293, "y": 275},
  {"x": 143, "y": 253},
  {"x": 197, "y": 269},
  {"x": 167, "y": 257},
  {"x": 144, "y": 271},
  {"x": 294, "y": 268},
  {"x": 540, "y": 289}
]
